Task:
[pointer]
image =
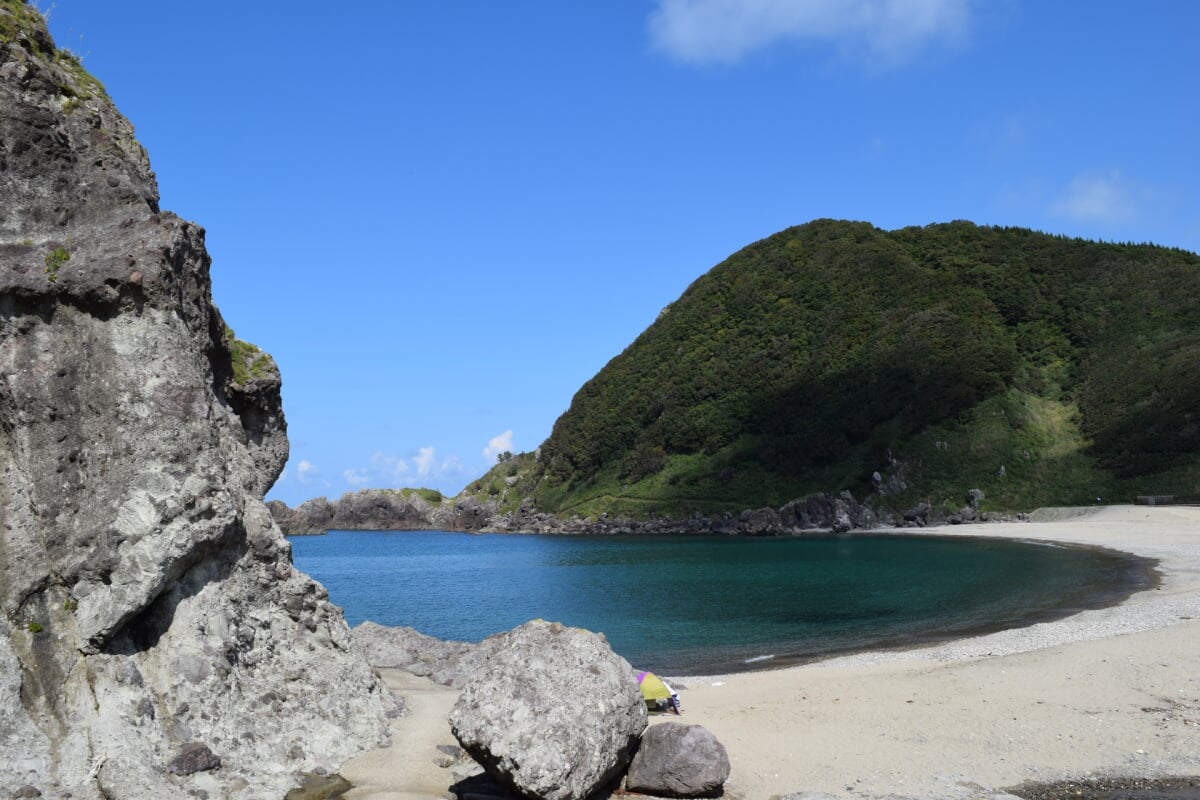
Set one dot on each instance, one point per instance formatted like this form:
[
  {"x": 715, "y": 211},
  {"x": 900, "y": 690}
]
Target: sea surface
[{"x": 711, "y": 604}]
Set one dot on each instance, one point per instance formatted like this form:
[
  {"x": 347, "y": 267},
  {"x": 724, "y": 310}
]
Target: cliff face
[{"x": 147, "y": 600}]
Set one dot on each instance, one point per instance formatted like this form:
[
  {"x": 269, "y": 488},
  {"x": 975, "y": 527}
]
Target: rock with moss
[{"x": 133, "y": 464}]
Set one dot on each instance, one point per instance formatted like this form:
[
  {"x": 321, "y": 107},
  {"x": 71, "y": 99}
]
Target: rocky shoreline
[{"x": 385, "y": 509}]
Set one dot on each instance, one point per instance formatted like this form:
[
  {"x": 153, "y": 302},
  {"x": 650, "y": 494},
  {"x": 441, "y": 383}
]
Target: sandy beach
[{"x": 1113, "y": 691}]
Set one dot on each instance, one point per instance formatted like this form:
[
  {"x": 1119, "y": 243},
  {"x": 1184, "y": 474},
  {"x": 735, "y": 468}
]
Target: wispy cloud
[
  {"x": 388, "y": 470},
  {"x": 425, "y": 468},
  {"x": 1091, "y": 197},
  {"x": 424, "y": 461},
  {"x": 451, "y": 467},
  {"x": 497, "y": 445},
  {"x": 306, "y": 472},
  {"x": 725, "y": 31},
  {"x": 355, "y": 478}
]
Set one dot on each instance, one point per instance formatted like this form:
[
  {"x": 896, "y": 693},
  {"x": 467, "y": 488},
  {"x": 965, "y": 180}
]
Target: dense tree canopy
[{"x": 830, "y": 351}]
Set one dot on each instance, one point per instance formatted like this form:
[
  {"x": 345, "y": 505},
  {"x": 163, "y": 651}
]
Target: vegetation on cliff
[
  {"x": 23, "y": 24},
  {"x": 509, "y": 483},
  {"x": 914, "y": 363},
  {"x": 248, "y": 361}
]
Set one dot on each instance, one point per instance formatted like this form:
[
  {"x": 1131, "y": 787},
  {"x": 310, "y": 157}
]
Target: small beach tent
[{"x": 653, "y": 689}]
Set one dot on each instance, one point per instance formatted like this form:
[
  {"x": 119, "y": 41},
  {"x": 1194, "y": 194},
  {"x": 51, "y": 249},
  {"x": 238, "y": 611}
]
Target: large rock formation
[
  {"x": 154, "y": 638},
  {"x": 553, "y": 712}
]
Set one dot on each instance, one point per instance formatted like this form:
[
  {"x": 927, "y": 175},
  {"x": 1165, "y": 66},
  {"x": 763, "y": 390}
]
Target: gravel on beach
[{"x": 1112, "y": 789}]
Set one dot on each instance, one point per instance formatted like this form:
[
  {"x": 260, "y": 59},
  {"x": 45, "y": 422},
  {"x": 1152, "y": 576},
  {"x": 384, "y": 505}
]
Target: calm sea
[{"x": 697, "y": 605}]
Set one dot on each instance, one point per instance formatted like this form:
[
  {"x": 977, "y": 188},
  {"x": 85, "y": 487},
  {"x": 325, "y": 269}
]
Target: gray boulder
[
  {"x": 918, "y": 515},
  {"x": 677, "y": 760},
  {"x": 552, "y": 713}
]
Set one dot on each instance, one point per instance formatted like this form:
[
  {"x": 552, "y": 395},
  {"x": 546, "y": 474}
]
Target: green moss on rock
[{"x": 249, "y": 362}]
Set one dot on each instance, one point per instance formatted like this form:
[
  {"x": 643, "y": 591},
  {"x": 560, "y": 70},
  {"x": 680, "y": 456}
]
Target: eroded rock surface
[
  {"x": 147, "y": 600},
  {"x": 447, "y": 662},
  {"x": 552, "y": 712}
]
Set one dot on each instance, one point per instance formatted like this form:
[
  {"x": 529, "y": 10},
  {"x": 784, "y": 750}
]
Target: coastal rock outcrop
[
  {"x": 384, "y": 510},
  {"x": 678, "y": 760},
  {"x": 405, "y": 509},
  {"x": 155, "y": 640},
  {"x": 447, "y": 662},
  {"x": 552, "y": 713}
]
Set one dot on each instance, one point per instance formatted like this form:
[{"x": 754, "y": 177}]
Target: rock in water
[
  {"x": 677, "y": 760},
  {"x": 552, "y": 713},
  {"x": 147, "y": 600}
]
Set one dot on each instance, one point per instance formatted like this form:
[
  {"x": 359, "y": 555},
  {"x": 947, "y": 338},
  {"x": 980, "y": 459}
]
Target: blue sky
[{"x": 442, "y": 218}]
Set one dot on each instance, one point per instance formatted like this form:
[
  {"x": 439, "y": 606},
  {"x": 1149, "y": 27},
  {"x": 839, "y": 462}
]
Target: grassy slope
[
  {"x": 508, "y": 483},
  {"x": 809, "y": 360}
]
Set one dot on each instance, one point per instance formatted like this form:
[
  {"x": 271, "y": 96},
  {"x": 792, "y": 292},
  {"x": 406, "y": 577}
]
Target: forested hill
[{"x": 905, "y": 365}]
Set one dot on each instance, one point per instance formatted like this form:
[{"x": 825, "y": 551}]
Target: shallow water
[{"x": 706, "y": 604}]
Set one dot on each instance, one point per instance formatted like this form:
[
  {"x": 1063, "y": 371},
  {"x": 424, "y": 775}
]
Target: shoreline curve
[{"x": 1107, "y": 692}]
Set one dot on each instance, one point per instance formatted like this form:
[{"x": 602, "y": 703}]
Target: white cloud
[
  {"x": 355, "y": 478},
  {"x": 1090, "y": 197},
  {"x": 389, "y": 470},
  {"x": 700, "y": 31},
  {"x": 424, "y": 461},
  {"x": 306, "y": 471},
  {"x": 497, "y": 445}
]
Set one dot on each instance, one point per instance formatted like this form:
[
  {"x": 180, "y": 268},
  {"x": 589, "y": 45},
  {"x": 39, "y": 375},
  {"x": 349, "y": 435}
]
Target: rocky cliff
[{"x": 154, "y": 638}]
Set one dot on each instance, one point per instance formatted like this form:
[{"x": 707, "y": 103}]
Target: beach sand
[{"x": 1113, "y": 691}]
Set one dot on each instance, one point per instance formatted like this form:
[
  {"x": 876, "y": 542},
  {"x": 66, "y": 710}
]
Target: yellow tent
[{"x": 653, "y": 689}]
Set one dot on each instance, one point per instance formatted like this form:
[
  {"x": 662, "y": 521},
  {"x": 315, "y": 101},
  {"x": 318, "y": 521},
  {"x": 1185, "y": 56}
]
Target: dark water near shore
[{"x": 696, "y": 605}]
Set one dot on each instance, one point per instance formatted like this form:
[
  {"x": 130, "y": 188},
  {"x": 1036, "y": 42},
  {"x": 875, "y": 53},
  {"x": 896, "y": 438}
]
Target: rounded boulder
[
  {"x": 677, "y": 760},
  {"x": 552, "y": 712}
]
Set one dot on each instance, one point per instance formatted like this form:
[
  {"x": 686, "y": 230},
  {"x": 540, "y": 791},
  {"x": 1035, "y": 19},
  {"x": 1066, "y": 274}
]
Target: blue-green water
[{"x": 695, "y": 605}]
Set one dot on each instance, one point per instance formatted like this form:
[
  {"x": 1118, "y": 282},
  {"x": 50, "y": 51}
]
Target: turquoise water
[{"x": 696, "y": 605}]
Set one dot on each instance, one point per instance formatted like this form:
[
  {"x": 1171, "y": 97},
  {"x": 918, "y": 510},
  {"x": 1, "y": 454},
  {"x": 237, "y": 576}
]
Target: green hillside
[{"x": 934, "y": 356}]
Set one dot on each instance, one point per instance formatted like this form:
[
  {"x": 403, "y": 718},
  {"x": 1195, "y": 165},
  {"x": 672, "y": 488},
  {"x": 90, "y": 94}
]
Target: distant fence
[{"x": 1168, "y": 500}]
